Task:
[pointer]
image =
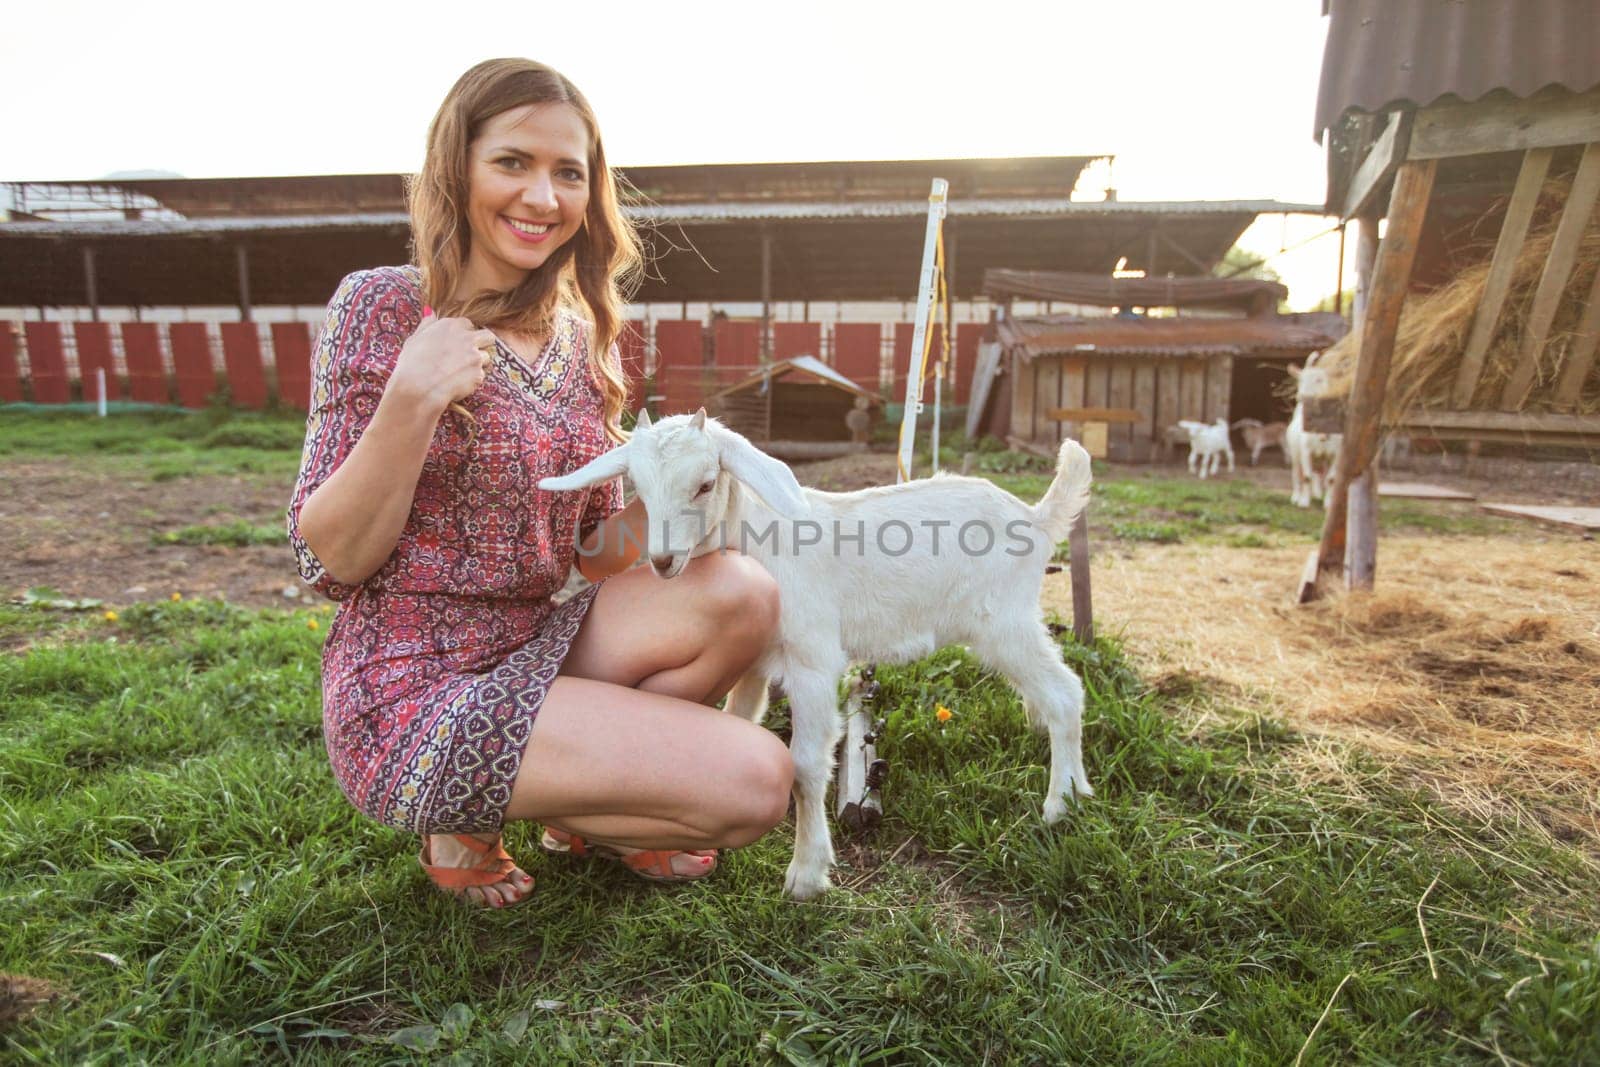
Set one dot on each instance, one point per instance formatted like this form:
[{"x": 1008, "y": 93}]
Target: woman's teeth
[{"x": 530, "y": 228}]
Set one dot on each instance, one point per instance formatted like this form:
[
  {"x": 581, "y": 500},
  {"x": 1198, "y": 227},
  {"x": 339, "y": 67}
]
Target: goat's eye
[{"x": 705, "y": 487}]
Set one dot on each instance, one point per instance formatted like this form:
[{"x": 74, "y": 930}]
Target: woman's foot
[
  {"x": 656, "y": 865},
  {"x": 474, "y": 867}
]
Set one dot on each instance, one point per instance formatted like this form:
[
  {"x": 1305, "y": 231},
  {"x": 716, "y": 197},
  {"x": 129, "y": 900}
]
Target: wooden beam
[
  {"x": 1194, "y": 261},
  {"x": 1580, "y": 357},
  {"x": 766, "y": 295},
  {"x": 1120, "y": 415},
  {"x": 1542, "y": 121},
  {"x": 90, "y": 284},
  {"x": 1504, "y": 421},
  {"x": 1361, "y": 526},
  {"x": 1387, "y": 153},
  {"x": 1513, "y": 232},
  {"x": 242, "y": 259},
  {"x": 1397, "y": 253},
  {"x": 1553, "y": 282}
]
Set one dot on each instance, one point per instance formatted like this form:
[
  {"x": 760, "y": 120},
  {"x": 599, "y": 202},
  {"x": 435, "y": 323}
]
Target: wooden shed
[
  {"x": 797, "y": 408},
  {"x": 1175, "y": 348},
  {"x": 1462, "y": 124}
]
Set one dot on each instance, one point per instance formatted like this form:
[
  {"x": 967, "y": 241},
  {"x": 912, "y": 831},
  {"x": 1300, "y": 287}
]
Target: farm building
[
  {"x": 1118, "y": 381},
  {"x": 779, "y": 237},
  {"x": 1474, "y": 129}
]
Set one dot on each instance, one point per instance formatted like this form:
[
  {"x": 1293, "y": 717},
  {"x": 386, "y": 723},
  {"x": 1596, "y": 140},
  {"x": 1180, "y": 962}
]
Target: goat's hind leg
[
  {"x": 814, "y": 715},
  {"x": 748, "y": 697},
  {"x": 1052, "y": 695}
]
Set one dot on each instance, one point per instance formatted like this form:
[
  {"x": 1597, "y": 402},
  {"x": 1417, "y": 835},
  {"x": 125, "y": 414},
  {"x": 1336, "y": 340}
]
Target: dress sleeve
[{"x": 368, "y": 321}]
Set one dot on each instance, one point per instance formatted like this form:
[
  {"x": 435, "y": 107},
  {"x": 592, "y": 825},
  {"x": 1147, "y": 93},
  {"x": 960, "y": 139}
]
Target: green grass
[
  {"x": 237, "y": 534},
  {"x": 175, "y": 856},
  {"x": 161, "y": 446}
]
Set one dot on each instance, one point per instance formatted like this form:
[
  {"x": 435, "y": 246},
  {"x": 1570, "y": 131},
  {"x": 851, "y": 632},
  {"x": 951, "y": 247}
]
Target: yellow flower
[
  {"x": 327, "y": 609},
  {"x": 111, "y": 616},
  {"x": 942, "y": 713},
  {"x": 176, "y": 597},
  {"x": 311, "y": 624}
]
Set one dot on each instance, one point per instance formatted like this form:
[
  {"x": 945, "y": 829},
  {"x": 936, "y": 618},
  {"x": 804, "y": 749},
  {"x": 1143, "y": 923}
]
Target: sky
[{"x": 1197, "y": 101}]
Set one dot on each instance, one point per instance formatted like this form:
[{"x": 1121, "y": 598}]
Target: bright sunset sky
[{"x": 1197, "y": 101}]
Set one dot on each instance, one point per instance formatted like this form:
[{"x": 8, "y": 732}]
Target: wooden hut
[
  {"x": 1117, "y": 381},
  {"x": 1451, "y": 119},
  {"x": 797, "y": 408}
]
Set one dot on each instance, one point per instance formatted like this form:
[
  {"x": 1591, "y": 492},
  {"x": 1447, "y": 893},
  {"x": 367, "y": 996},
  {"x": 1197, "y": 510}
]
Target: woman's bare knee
[
  {"x": 741, "y": 595},
  {"x": 760, "y": 798}
]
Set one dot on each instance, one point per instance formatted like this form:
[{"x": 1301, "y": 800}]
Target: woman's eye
[
  {"x": 572, "y": 175},
  {"x": 510, "y": 163}
]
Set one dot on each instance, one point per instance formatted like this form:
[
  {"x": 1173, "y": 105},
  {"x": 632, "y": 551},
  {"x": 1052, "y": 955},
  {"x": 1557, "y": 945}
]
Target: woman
[{"x": 456, "y": 693}]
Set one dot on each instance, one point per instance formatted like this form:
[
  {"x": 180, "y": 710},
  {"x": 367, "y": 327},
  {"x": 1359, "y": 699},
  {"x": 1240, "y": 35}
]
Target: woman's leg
[{"x": 691, "y": 638}]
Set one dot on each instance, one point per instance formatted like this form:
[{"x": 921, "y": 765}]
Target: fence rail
[{"x": 257, "y": 364}]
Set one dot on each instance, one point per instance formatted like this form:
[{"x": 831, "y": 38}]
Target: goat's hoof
[{"x": 805, "y": 885}]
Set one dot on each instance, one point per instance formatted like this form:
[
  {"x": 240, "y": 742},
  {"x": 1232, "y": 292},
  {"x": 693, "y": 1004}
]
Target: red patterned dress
[{"x": 434, "y": 667}]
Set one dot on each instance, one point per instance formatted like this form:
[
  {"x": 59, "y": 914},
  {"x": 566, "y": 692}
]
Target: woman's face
[{"x": 527, "y": 191}]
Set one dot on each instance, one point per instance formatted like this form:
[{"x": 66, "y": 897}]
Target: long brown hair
[{"x": 600, "y": 265}]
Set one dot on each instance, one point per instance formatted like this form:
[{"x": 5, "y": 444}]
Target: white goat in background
[
  {"x": 861, "y": 580},
  {"x": 1208, "y": 443},
  {"x": 1312, "y": 456}
]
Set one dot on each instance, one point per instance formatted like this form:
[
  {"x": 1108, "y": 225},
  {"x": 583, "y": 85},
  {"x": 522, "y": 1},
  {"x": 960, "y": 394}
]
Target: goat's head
[
  {"x": 682, "y": 469},
  {"x": 1311, "y": 380}
]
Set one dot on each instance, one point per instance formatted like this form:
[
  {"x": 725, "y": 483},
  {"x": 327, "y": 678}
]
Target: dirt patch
[
  {"x": 20, "y": 995},
  {"x": 89, "y": 533},
  {"x": 1476, "y": 663}
]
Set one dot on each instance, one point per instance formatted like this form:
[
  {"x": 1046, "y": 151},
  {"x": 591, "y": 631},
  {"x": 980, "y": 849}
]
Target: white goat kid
[
  {"x": 1208, "y": 443},
  {"x": 860, "y": 579},
  {"x": 1311, "y": 456}
]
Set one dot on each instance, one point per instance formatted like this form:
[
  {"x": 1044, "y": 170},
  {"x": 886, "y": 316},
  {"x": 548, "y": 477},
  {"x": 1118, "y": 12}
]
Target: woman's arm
[
  {"x": 353, "y": 520},
  {"x": 612, "y": 546}
]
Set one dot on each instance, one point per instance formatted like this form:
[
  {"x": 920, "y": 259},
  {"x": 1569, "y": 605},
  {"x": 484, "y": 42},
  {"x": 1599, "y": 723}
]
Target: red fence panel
[
  {"x": 630, "y": 346},
  {"x": 857, "y": 350},
  {"x": 10, "y": 372},
  {"x": 94, "y": 355},
  {"x": 680, "y": 359},
  {"x": 241, "y": 357},
  {"x": 291, "y": 356},
  {"x": 147, "y": 376},
  {"x": 736, "y": 343},
  {"x": 191, "y": 359},
  {"x": 47, "y": 366},
  {"x": 790, "y": 339},
  {"x": 968, "y": 335}
]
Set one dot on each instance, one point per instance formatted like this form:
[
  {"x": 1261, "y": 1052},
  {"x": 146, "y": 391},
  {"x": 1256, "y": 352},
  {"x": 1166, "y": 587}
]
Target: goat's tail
[{"x": 1068, "y": 494}]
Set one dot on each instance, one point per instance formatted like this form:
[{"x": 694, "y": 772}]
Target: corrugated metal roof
[
  {"x": 1181, "y": 336},
  {"x": 1382, "y": 54},
  {"x": 679, "y": 213}
]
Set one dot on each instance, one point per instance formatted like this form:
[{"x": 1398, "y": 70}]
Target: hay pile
[
  {"x": 1475, "y": 668},
  {"x": 1434, "y": 329}
]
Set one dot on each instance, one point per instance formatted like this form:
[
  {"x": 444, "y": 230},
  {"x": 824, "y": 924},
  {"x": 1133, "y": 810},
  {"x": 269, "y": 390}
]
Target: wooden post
[
  {"x": 242, "y": 258},
  {"x": 1580, "y": 357},
  {"x": 1082, "y": 601},
  {"x": 1408, "y": 206},
  {"x": 1361, "y": 528},
  {"x": 89, "y": 283}
]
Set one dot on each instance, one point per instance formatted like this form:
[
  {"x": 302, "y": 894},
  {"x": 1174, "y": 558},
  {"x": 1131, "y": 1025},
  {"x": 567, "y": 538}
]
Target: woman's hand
[{"x": 444, "y": 361}]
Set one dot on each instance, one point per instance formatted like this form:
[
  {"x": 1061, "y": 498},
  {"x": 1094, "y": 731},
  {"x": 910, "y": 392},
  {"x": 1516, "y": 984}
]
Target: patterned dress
[{"x": 435, "y": 667}]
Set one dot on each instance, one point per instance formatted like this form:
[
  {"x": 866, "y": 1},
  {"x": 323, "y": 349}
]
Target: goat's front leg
[{"x": 814, "y": 718}]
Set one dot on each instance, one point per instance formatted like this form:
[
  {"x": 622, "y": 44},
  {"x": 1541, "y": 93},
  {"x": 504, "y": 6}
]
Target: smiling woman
[{"x": 456, "y": 692}]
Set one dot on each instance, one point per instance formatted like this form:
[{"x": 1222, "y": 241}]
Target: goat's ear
[
  {"x": 1294, "y": 370},
  {"x": 643, "y": 421},
  {"x": 769, "y": 479},
  {"x": 699, "y": 420},
  {"x": 602, "y": 468}
]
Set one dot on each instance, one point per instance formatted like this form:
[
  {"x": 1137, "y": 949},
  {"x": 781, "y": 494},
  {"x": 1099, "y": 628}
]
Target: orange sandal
[
  {"x": 494, "y": 866},
  {"x": 653, "y": 865}
]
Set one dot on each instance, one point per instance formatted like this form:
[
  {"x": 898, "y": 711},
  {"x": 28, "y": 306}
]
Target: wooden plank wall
[
  {"x": 47, "y": 365},
  {"x": 147, "y": 373}
]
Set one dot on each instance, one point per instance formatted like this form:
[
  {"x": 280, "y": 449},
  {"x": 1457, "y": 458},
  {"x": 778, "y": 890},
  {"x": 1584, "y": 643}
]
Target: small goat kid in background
[
  {"x": 1208, "y": 443},
  {"x": 858, "y": 597},
  {"x": 1260, "y": 436},
  {"x": 1312, "y": 456}
]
